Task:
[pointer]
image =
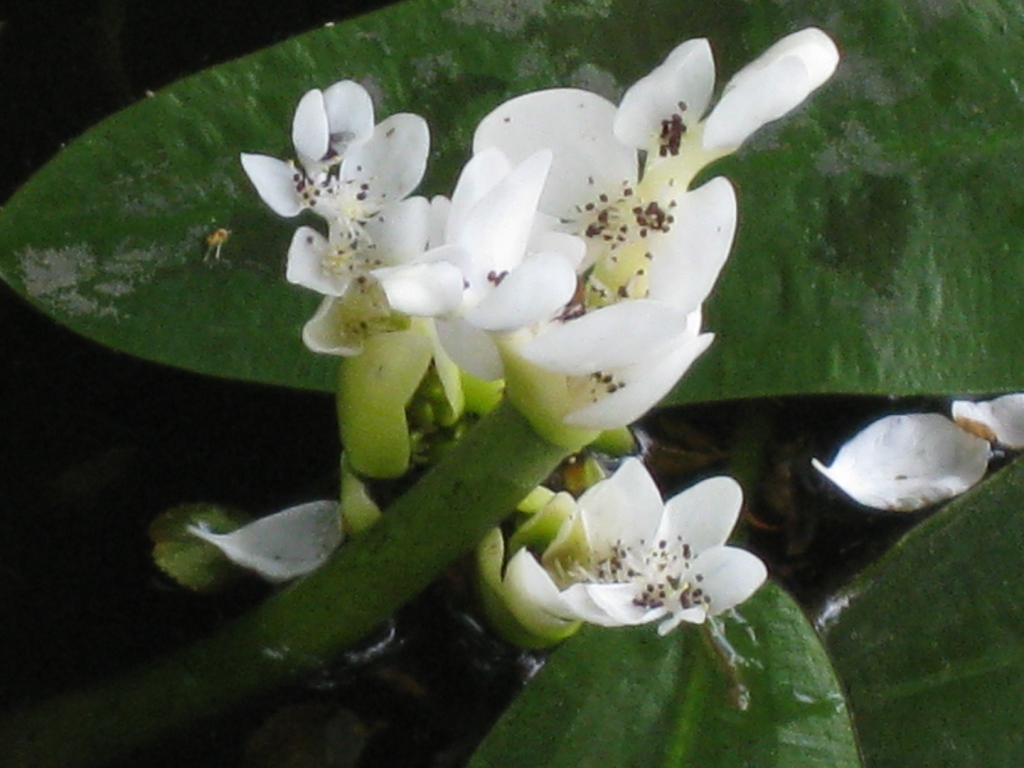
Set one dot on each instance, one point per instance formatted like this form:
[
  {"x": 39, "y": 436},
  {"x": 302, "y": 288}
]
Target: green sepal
[
  {"x": 506, "y": 616},
  {"x": 374, "y": 388},
  {"x": 481, "y": 396},
  {"x": 543, "y": 398},
  {"x": 615, "y": 442},
  {"x": 358, "y": 509},
  {"x": 535, "y": 500},
  {"x": 540, "y": 529}
]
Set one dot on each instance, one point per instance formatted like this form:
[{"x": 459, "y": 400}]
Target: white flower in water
[
  {"x": 357, "y": 177},
  {"x": 347, "y": 167},
  {"x": 903, "y": 463},
  {"x": 282, "y": 546},
  {"x": 515, "y": 273},
  {"x": 621, "y": 175},
  {"x": 620, "y": 179},
  {"x": 624, "y": 557},
  {"x": 575, "y": 376},
  {"x": 1000, "y": 420},
  {"x": 643, "y": 234},
  {"x": 582, "y": 348}
]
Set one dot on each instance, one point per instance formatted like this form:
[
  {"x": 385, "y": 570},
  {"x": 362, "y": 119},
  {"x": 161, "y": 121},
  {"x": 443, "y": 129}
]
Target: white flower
[
  {"x": 623, "y": 557},
  {"x": 612, "y": 338},
  {"x": 575, "y": 376},
  {"x": 621, "y": 175},
  {"x": 347, "y": 167},
  {"x": 282, "y": 546},
  {"x": 620, "y": 179},
  {"x": 357, "y": 177},
  {"x": 515, "y": 273},
  {"x": 1000, "y": 420},
  {"x": 906, "y": 462},
  {"x": 647, "y": 236},
  {"x": 375, "y": 304}
]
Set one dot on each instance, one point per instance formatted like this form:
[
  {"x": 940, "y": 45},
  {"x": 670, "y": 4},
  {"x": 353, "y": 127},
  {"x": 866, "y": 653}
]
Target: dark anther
[{"x": 671, "y": 135}]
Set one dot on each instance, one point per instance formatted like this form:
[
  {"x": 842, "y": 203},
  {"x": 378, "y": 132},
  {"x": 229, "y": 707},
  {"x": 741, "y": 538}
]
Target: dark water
[{"x": 95, "y": 444}]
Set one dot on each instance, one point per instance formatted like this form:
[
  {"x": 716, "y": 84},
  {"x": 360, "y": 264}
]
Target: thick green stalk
[{"x": 440, "y": 518}]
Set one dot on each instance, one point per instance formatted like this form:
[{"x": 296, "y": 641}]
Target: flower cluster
[
  {"x": 573, "y": 257},
  {"x": 357, "y": 177},
  {"x": 569, "y": 266}
]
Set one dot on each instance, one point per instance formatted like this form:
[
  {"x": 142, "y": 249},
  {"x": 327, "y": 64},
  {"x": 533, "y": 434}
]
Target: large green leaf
[
  {"x": 880, "y": 234},
  {"x": 880, "y": 227},
  {"x": 628, "y": 698},
  {"x": 930, "y": 641}
]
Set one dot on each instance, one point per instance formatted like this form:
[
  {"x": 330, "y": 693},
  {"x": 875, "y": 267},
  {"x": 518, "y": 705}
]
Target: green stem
[{"x": 443, "y": 516}]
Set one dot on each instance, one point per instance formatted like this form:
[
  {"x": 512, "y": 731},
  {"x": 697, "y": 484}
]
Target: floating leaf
[
  {"x": 764, "y": 694},
  {"x": 880, "y": 227},
  {"x": 930, "y": 641}
]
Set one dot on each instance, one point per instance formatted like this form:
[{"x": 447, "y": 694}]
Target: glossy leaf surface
[
  {"x": 930, "y": 641},
  {"x": 766, "y": 696},
  {"x": 879, "y": 227},
  {"x": 880, "y": 232}
]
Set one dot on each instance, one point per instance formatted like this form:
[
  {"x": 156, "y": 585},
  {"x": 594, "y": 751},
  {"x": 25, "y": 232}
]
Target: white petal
[
  {"x": 399, "y": 231},
  {"x": 497, "y": 229},
  {"x": 704, "y": 515},
  {"x": 532, "y": 593},
  {"x": 284, "y": 545},
  {"x": 907, "y": 462},
  {"x": 275, "y": 183},
  {"x": 695, "y": 615},
  {"x": 311, "y": 134},
  {"x": 532, "y": 292},
  {"x": 576, "y": 126},
  {"x": 624, "y": 509},
  {"x": 479, "y": 176},
  {"x": 1001, "y": 420},
  {"x": 448, "y": 372},
  {"x": 606, "y": 339},
  {"x": 392, "y": 161},
  {"x": 687, "y": 77},
  {"x": 687, "y": 260},
  {"x": 349, "y": 111},
  {"x": 470, "y": 348},
  {"x": 570, "y": 247},
  {"x": 580, "y": 603},
  {"x": 323, "y": 333},
  {"x": 730, "y": 576},
  {"x": 617, "y": 604},
  {"x": 440, "y": 208},
  {"x": 811, "y": 46},
  {"x": 766, "y": 89},
  {"x": 306, "y": 256},
  {"x": 426, "y": 289},
  {"x": 645, "y": 385}
]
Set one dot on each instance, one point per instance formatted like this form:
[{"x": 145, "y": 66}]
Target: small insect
[{"x": 214, "y": 242}]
